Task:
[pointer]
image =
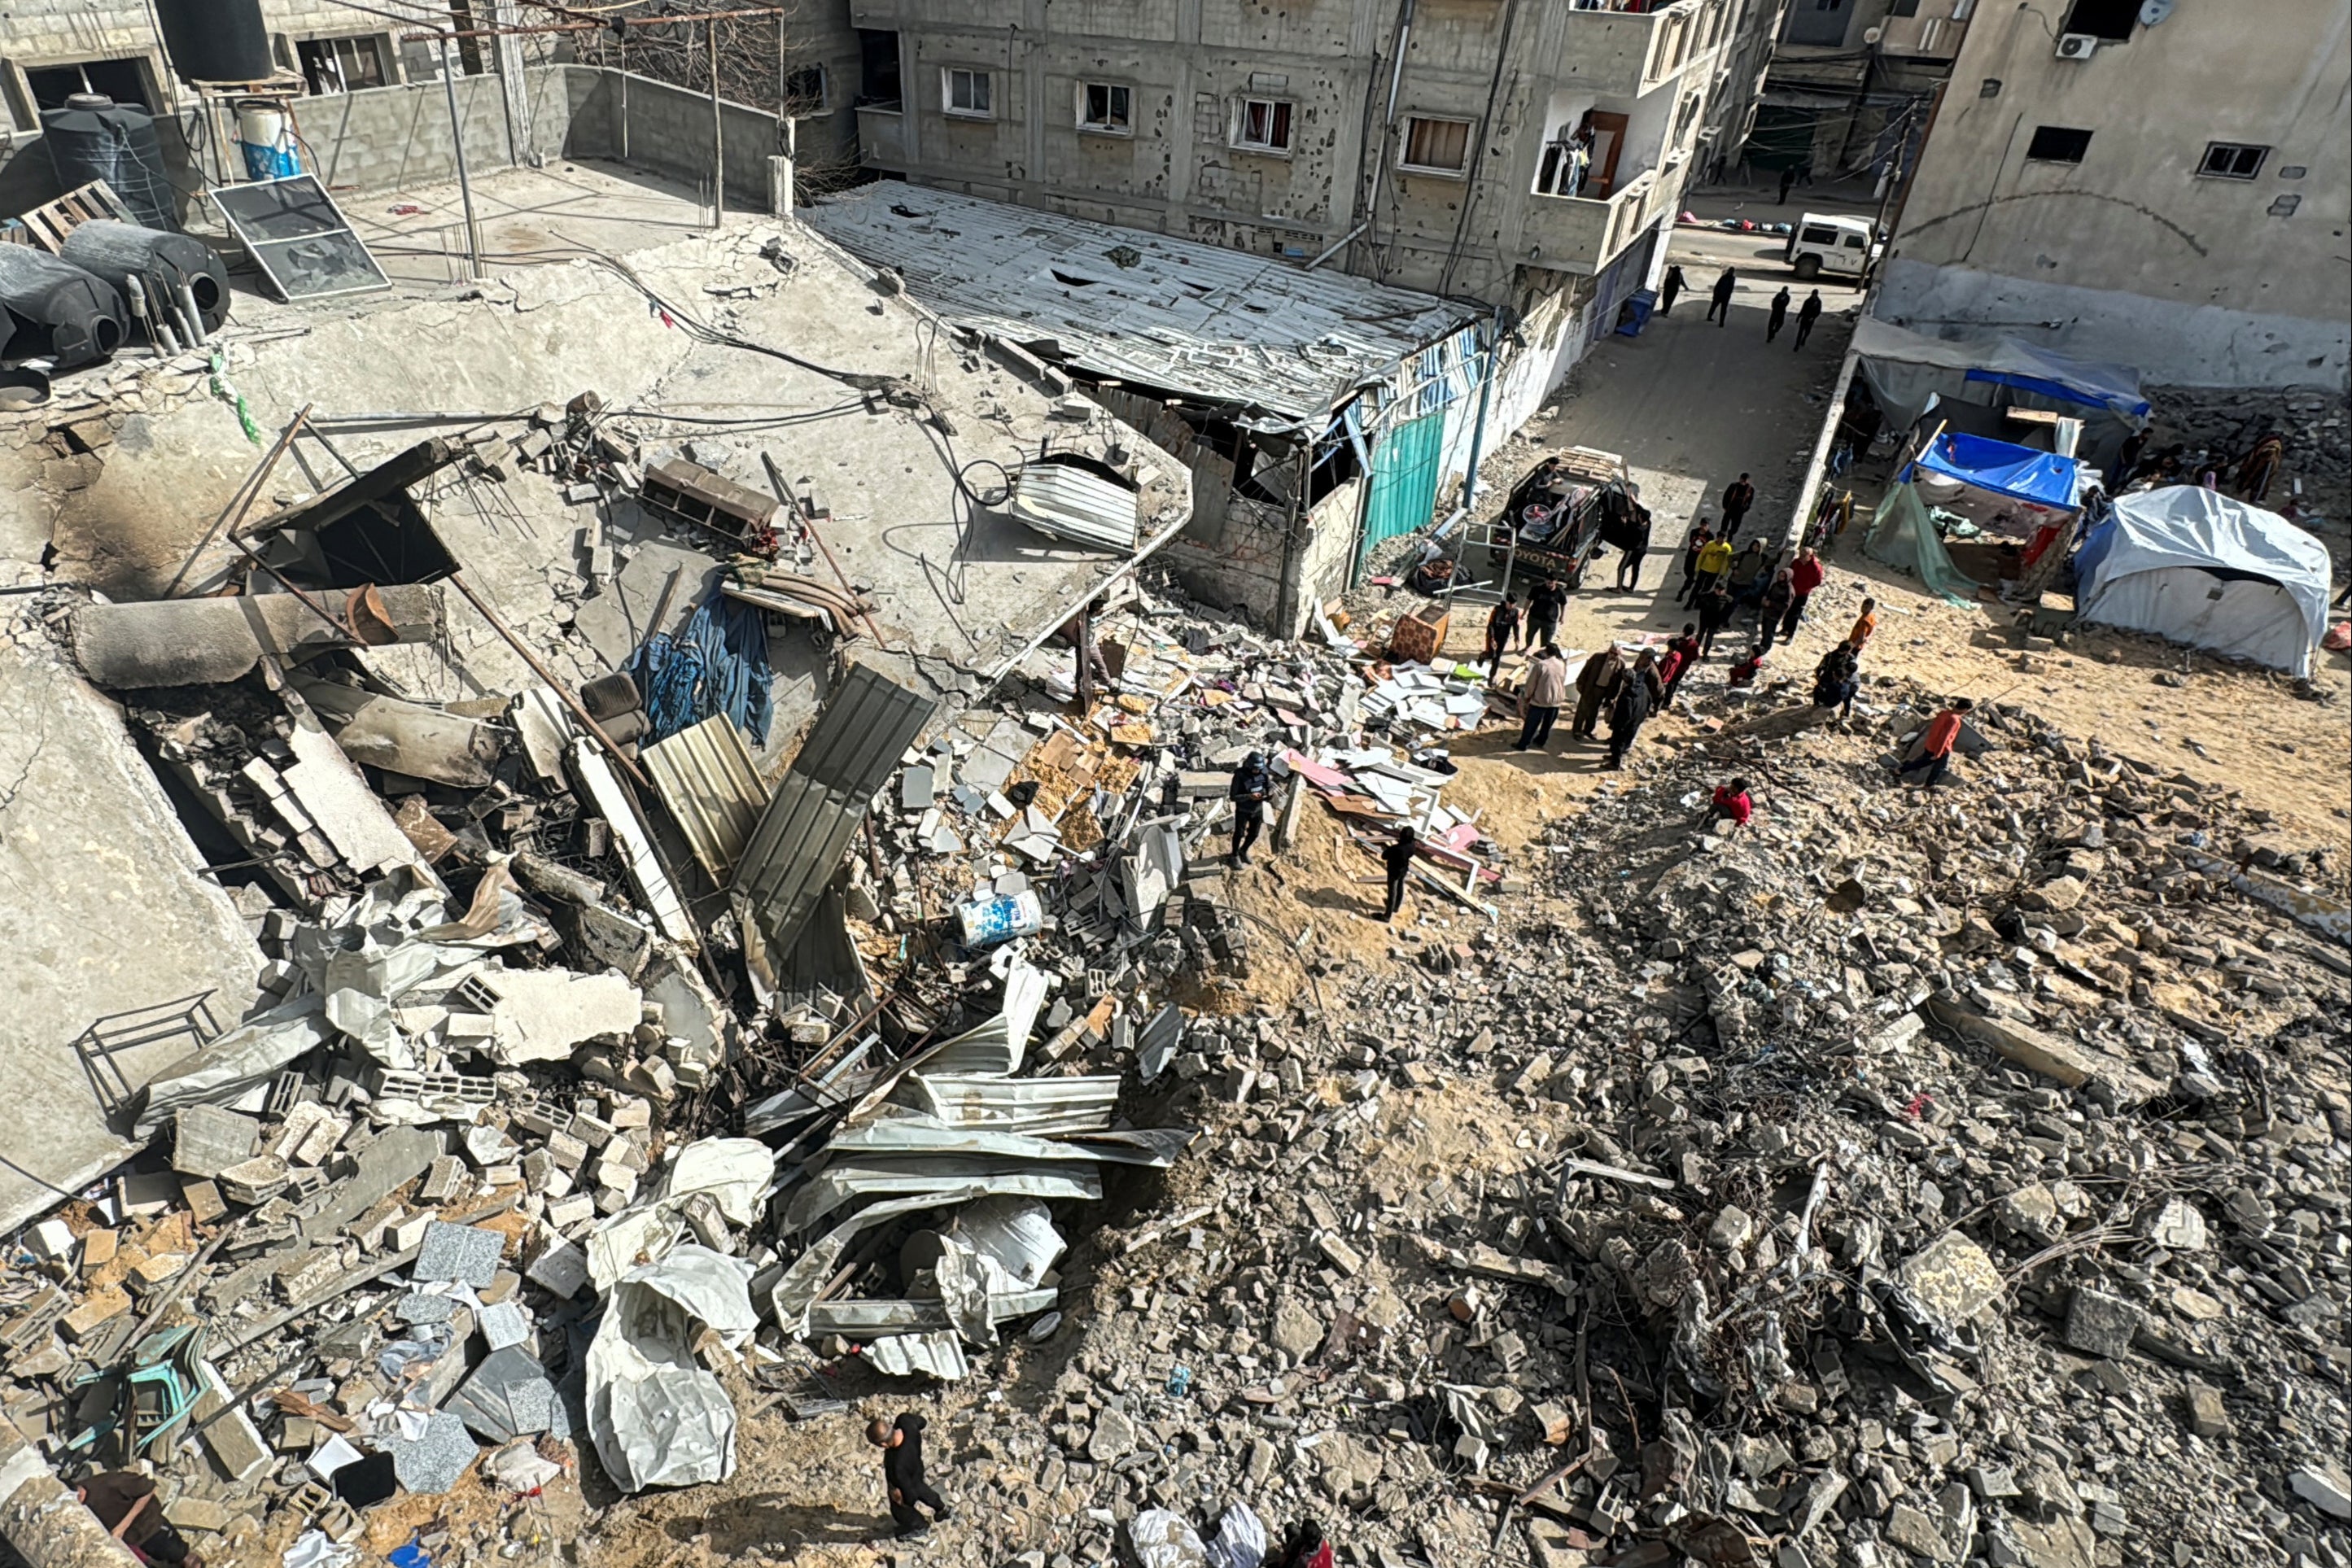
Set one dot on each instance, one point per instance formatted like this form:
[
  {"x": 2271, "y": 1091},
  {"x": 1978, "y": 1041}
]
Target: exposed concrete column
[
  {"x": 506, "y": 59},
  {"x": 41, "y": 1518},
  {"x": 781, "y": 170}
]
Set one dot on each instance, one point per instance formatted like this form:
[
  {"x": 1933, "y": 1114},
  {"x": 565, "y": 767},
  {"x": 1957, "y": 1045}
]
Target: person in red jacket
[
  {"x": 1805, "y": 574},
  {"x": 1936, "y": 746},
  {"x": 1730, "y": 804}
]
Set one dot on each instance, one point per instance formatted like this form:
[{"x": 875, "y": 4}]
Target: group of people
[
  {"x": 1718, "y": 582},
  {"x": 1627, "y": 693},
  {"x": 2176, "y": 464},
  {"x": 1719, "y": 307}
]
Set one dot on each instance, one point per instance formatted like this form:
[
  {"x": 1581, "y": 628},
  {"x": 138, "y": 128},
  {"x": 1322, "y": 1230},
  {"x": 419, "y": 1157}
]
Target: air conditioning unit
[{"x": 2077, "y": 45}]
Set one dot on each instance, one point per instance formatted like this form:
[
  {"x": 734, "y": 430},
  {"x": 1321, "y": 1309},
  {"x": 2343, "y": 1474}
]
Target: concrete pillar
[
  {"x": 506, "y": 59},
  {"x": 41, "y": 1518},
  {"x": 779, "y": 187}
]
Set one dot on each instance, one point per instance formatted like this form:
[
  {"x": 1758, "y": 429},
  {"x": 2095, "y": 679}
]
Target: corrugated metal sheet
[
  {"x": 818, "y": 803},
  {"x": 1147, "y": 309},
  {"x": 903, "y": 1355},
  {"x": 706, "y": 777},
  {"x": 1069, "y": 503},
  {"x": 1037, "y": 1106}
]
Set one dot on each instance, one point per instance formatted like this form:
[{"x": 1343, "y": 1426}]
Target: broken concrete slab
[
  {"x": 210, "y": 641},
  {"x": 2068, "y": 1063},
  {"x": 463, "y": 1252}
]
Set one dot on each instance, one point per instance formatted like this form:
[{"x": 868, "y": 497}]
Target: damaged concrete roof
[{"x": 1145, "y": 308}]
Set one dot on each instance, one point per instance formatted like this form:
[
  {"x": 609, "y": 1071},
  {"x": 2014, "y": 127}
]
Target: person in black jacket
[
  {"x": 1637, "y": 546},
  {"x": 1397, "y": 858},
  {"x": 1252, "y": 784},
  {"x": 1626, "y": 716},
  {"x": 1676, "y": 283},
  {"x": 902, "y": 1442}
]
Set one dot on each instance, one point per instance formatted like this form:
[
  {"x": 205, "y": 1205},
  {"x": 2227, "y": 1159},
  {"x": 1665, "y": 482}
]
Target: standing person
[
  {"x": 1935, "y": 753},
  {"x": 1714, "y": 614},
  {"x": 2126, "y": 461},
  {"x": 1397, "y": 860},
  {"x": 1595, "y": 685},
  {"x": 1805, "y": 574},
  {"x": 1836, "y": 678},
  {"x": 1718, "y": 310},
  {"x": 1808, "y": 314},
  {"x": 1670, "y": 673},
  {"x": 1671, "y": 290},
  {"x": 1751, "y": 573},
  {"x": 1863, "y": 625},
  {"x": 1502, "y": 625},
  {"x": 1540, "y": 703},
  {"x": 1778, "y": 319},
  {"x": 1625, "y": 717},
  {"x": 1629, "y": 564},
  {"x": 1731, "y": 804},
  {"x": 1685, "y": 648},
  {"x": 1774, "y": 607},
  {"x": 124, "y": 1502},
  {"x": 2261, "y": 466},
  {"x": 1788, "y": 178},
  {"x": 1714, "y": 561},
  {"x": 1699, "y": 538},
  {"x": 1252, "y": 784},
  {"x": 1545, "y": 607},
  {"x": 902, "y": 1442},
  {"x": 1645, "y": 669},
  {"x": 1737, "y": 497}
]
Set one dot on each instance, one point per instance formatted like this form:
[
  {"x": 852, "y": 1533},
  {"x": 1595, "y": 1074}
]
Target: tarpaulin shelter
[
  {"x": 1906, "y": 369},
  {"x": 2191, "y": 565},
  {"x": 2003, "y": 468}
]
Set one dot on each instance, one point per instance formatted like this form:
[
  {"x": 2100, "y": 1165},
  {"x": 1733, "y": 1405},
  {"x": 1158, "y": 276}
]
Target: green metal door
[{"x": 1404, "y": 481}]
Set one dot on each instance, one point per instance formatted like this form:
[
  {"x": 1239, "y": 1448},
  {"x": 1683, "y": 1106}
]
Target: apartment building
[
  {"x": 1526, "y": 153},
  {"x": 1740, "y": 72},
  {"x": 2164, "y": 186},
  {"x": 1851, "y": 83}
]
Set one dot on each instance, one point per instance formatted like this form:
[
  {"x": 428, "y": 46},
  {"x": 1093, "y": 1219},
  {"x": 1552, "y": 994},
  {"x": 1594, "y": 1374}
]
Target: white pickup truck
[{"x": 1824, "y": 243}]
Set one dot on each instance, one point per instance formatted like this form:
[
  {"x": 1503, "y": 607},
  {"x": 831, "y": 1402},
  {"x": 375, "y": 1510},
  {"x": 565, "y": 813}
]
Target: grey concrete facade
[
  {"x": 1850, "y": 86},
  {"x": 2177, "y": 200},
  {"x": 1269, "y": 130}
]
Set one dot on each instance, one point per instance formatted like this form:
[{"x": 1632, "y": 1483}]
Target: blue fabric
[
  {"x": 2019, "y": 472},
  {"x": 2030, "y": 367},
  {"x": 719, "y": 663}
]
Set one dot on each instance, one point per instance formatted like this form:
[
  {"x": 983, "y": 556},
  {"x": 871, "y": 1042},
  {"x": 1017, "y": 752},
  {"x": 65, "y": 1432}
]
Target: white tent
[{"x": 2193, "y": 566}]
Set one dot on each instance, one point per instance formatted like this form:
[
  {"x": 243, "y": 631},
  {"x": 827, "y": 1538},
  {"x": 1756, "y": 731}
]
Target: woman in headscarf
[{"x": 2261, "y": 466}]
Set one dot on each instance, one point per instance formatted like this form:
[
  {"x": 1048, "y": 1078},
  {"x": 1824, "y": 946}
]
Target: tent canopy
[
  {"x": 2193, "y": 566},
  {"x": 2005, "y": 361},
  {"x": 2021, "y": 473}
]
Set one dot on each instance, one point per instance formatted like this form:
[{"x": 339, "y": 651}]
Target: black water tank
[
  {"x": 54, "y": 310},
  {"x": 216, "y": 40},
  {"x": 95, "y": 138},
  {"x": 164, "y": 263}
]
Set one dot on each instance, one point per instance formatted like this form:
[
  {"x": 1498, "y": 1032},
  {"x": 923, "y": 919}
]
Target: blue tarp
[
  {"x": 2029, "y": 367},
  {"x": 2019, "y": 472}
]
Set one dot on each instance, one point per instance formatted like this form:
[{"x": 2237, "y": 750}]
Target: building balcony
[
  {"x": 882, "y": 135},
  {"x": 1614, "y": 50},
  {"x": 1579, "y": 233}
]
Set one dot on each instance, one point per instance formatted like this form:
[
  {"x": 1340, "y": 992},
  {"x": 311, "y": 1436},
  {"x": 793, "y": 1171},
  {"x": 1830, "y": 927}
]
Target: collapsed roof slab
[{"x": 107, "y": 922}]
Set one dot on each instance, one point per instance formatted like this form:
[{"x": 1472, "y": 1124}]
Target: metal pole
[
  {"x": 1478, "y": 427},
  {"x": 457, "y": 146},
  {"x": 718, "y": 130}
]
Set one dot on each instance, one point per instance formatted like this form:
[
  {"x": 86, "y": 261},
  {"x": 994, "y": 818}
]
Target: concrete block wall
[
  {"x": 389, "y": 137},
  {"x": 666, "y": 131}
]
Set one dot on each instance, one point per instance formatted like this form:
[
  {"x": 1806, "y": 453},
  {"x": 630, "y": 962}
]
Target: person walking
[
  {"x": 1714, "y": 614},
  {"x": 1863, "y": 625},
  {"x": 1397, "y": 860},
  {"x": 1684, "y": 653},
  {"x": 1700, "y": 538},
  {"x": 1779, "y": 318},
  {"x": 1545, "y": 607},
  {"x": 1628, "y": 562},
  {"x": 1252, "y": 783},
  {"x": 1671, "y": 290},
  {"x": 1836, "y": 678},
  {"x": 1718, "y": 310},
  {"x": 1737, "y": 497},
  {"x": 1731, "y": 804},
  {"x": 1540, "y": 703},
  {"x": 1714, "y": 561},
  {"x": 902, "y": 1442},
  {"x": 1805, "y": 574},
  {"x": 1808, "y": 314},
  {"x": 1596, "y": 684},
  {"x": 1788, "y": 179},
  {"x": 1626, "y": 715},
  {"x": 124, "y": 1502},
  {"x": 1670, "y": 673},
  {"x": 1502, "y": 625},
  {"x": 1774, "y": 606},
  {"x": 1935, "y": 750}
]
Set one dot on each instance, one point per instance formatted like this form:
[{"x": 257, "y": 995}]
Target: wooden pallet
[{"x": 47, "y": 225}]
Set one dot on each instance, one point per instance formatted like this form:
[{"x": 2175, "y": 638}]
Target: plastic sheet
[
  {"x": 658, "y": 1417},
  {"x": 1901, "y": 536},
  {"x": 1162, "y": 1540}
]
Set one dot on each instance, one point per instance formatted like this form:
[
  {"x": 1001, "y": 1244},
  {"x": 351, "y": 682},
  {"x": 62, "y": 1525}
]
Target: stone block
[{"x": 2102, "y": 1325}]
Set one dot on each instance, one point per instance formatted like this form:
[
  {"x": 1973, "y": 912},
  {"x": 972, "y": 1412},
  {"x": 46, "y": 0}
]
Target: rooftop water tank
[
  {"x": 95, "y": 138},
  {"x": 216, "y": 40}
]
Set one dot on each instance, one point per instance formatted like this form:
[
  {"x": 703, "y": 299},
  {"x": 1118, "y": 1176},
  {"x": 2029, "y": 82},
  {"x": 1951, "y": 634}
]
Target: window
[
  {"x": 1436, "y": 146},
  {"x": 1262, "y": 125},
  {"x": 2108, "y": 19},
  {"x": 877, "y": 68},
  {"x": 1106, "y": 108},
  {"x": 1821, "y": 22},
  {"x": 966, "y": 92},
  {"x": 1818, "y": 233},
  {"x": 117, "y": 80},
  {"x": 2232, "y": 161},
  {"x": 342, "y": 65},
  {"x": 2057, "y": 144},
  {"x": 806, "y": 90}
]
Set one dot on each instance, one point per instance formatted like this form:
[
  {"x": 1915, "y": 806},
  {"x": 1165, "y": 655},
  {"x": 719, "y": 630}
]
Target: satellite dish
[
  {"x": 2151, "y": 12},
  {"x": 1872, "y": 35}
]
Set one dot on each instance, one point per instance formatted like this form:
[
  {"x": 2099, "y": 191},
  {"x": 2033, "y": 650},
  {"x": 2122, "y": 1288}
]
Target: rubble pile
[{"x": 2312, "y": 418}]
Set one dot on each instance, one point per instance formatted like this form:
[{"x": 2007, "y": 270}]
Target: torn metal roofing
[
  {"x": 1149, "y": 308},
  {"x": 1069, "y": 503},
  {"x": 706, "y": 777},
  {"x": 818, "y": 805}
]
